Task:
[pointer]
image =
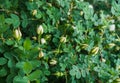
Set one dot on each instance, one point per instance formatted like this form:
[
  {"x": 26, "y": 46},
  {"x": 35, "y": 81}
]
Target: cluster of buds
[
  {"x": 53, "y": 62},
  {"x": 63, "y": 39},
  {"x": 40, "y": 30},
  {"x": 17, "y": 34},
  {"x": 94, "y": 50}
]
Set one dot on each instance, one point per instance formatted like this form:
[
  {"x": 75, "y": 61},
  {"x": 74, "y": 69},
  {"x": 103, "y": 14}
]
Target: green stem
[
  {"x": 66, "y": 77},
  {"x": 39, "y": 37},
  {"x": 58, "y": 49}
]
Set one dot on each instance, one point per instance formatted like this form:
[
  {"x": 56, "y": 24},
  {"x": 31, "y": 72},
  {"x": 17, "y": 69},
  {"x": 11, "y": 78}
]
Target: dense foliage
[{"x": 66, "y": 41}]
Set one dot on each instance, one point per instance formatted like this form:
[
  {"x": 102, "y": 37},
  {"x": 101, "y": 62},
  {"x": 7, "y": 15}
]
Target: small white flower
[
  {"x": 112, "y": 27},
  {"x": 40, "y": 29},
  {"x": 90, "y": 6},
  {"x": 43, "y": 41}
]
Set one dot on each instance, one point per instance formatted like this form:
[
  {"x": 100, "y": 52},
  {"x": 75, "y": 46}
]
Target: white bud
[
  {"x": 40, "y": 30},
  {"x": 90, "y": 6},
  {"x": 112, "y": 27},
  {"x": 43, "y": 41},
  {"x": 53, "y": 62}
]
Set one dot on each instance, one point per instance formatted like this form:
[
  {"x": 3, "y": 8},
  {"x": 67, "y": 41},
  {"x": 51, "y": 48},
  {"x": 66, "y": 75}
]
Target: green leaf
[
  {"x": 3, "y": 72},
  {"x": 3, "y": 61},
  {"x": 27, "y": 44},
  {"x": 83, "y": 72},
  {"x": 72, "y": 72},
  {"x": 19, "y": 79},
  {"x": 9, "y": 20},
  {"x": 20, "y": 65},
  {"x": 78, "y": 74},
  {"x": 27, "y": 67},
  {"x": 35, "y": 75},
  {"x": 16, "y": 20},
  {"x": 24, "y": 23},
  {"x": 35, "y": 63},
  {"x": 9, "y": 42}
]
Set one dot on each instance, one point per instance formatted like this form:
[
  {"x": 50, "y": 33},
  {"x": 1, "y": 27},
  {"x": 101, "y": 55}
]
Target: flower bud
[
  {"x": 59, "y": 74},
  {"x": 34, "y": 12},
  {"x": 112, "y": 27},
  {"x": 41, "y": 54},
  {"x": 111, "y": 45},
  {"x": 83, "y": 46},
  {"x": 103, "y": 60},
  {"x": 118, "y": 80},
  {"x": 34, "y": 38},
  {"x": 94, "y": 50},
  {"x": 17, "y": 34},
  {"x": 81, "y": 13},
  {"x": 43, "y": 41},
  {"x": 40, "y": 30},
  {"x": 63, "y": 39},
  {"x": 53, "y": 62},
  {"x": 90, "y": 6}
]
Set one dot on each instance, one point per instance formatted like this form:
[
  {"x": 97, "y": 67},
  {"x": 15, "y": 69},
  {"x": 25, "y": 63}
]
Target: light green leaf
[
  {"x": 27, "y": 67},
  {"x": 34, "y": 75},
  {"x": 27, "y": 44},
  {"x": 78, "y": 74}
]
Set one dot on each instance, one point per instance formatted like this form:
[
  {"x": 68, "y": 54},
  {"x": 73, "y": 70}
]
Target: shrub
[{"x": 69, "y": 41}]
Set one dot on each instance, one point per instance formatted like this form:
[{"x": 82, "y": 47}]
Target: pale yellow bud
[
  {"x": 83, "y": 46},
  {"x": 94, "y": 50},
  {"x": 40, "y": 30},
  {"x": 103, "y": 60},
  {"x": 43, "y": 41},
  {"x": 53, "y": 62},
  {"x": 41, "y": 54},
  {"x": 111, "y": 45},
  {"x": 35, "y": 38},
  {"x": 118, "y": 80},
  {"x": 63, "y": 39},
  {"x": 17, "y": 34},
  {"x": 81, "y": 13},
  {"x": 34, "y": 12}
]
